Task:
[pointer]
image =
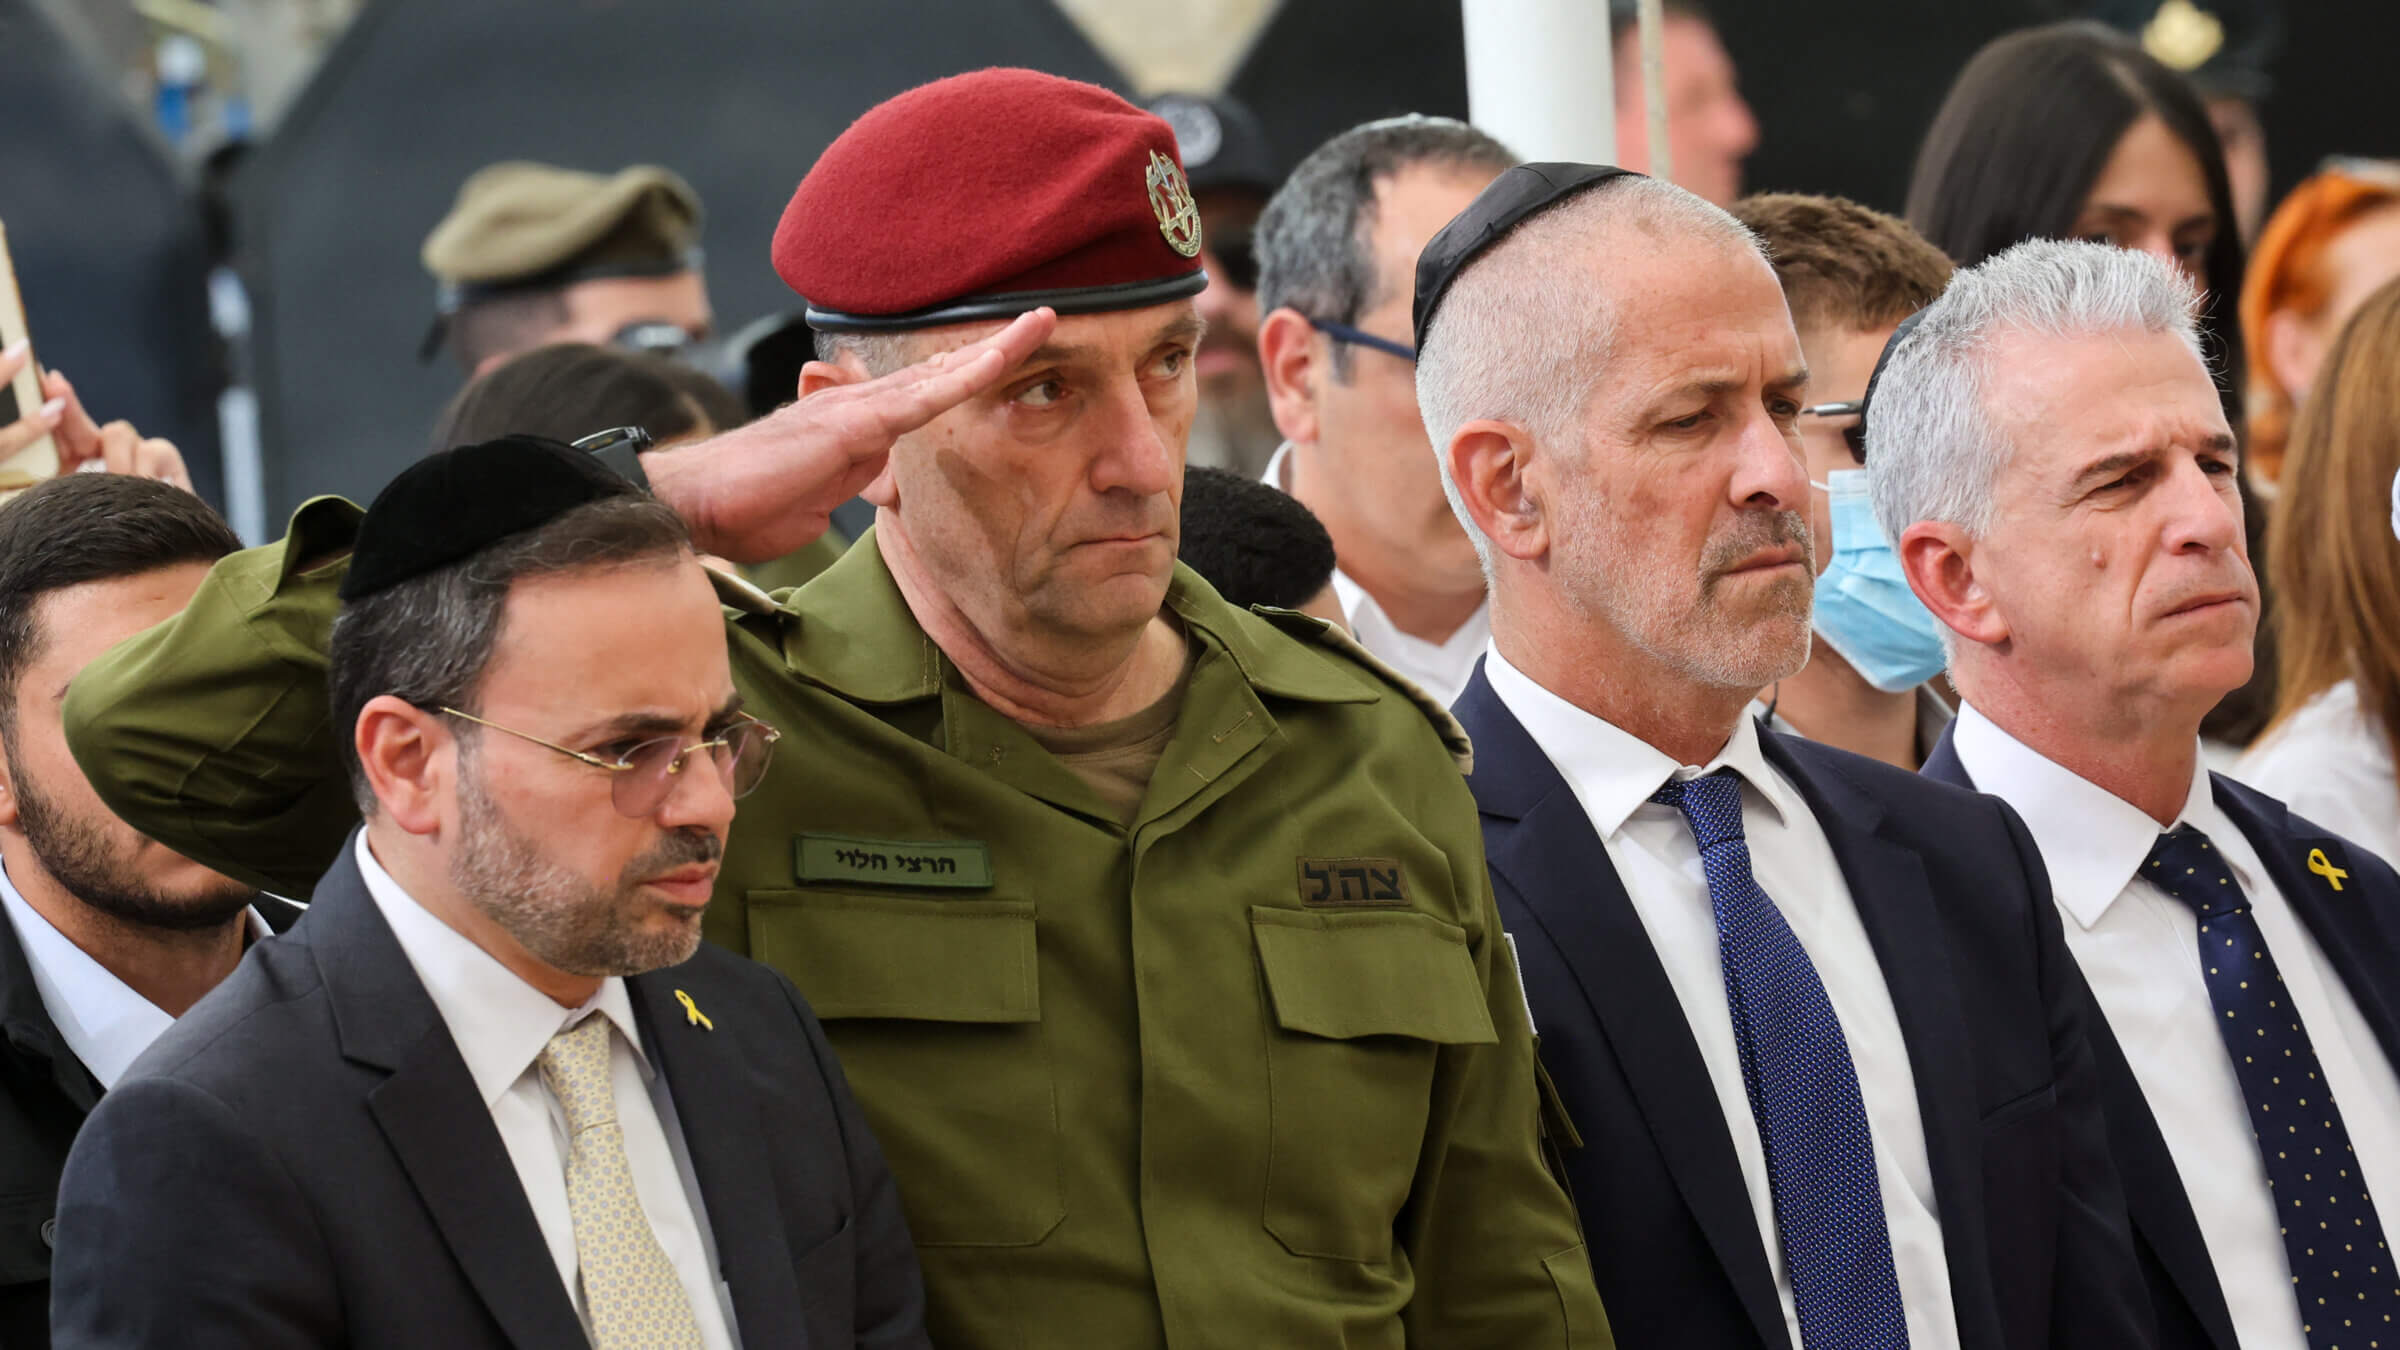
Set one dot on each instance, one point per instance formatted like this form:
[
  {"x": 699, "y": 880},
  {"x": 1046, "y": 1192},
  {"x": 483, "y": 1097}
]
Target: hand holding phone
[{"x": 27, "y": 453}]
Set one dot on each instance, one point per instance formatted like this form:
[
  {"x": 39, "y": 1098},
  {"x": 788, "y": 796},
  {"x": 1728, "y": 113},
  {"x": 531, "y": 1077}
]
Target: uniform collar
[
  {"x": 499, "y": 1022},
  {"x": 859, "y": 639},
  {"x": 2092, "y": 840}
]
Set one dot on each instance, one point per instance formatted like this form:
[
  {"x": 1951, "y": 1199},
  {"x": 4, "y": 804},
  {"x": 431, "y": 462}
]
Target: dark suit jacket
[
  {"x": 305, "y": 1161},
  {"x": 1957, "y": 907},
  {"x": 2359, "y": 929},
  {"x": 45, "y": 1092}
]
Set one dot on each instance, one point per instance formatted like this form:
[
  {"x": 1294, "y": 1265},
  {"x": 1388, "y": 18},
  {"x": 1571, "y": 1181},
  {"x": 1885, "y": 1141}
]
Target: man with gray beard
[
  {"x": 491, "y": 1090},
  {"x": 1874, "y": 1122}
]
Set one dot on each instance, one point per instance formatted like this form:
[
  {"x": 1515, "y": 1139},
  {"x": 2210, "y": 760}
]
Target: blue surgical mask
[{"x": 1864, "y": 608}]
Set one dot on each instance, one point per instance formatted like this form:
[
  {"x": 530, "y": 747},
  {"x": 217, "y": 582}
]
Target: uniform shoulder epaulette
[{"x": 1309, "y": 628}]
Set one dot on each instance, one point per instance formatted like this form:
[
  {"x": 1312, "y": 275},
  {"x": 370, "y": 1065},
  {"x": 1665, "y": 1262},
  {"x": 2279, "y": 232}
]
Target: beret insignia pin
[{"x": 1171, "y": 201}]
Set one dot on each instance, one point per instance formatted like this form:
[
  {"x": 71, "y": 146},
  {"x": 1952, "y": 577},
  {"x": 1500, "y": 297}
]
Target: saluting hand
[{"x": 769, "y": 488}]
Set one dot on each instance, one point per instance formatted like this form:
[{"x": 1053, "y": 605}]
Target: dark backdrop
[
  {"x": 737, "y": 95},
  {"x": 108, "y": 246},
  {"x": 1841, "y": 100},
  {"x": 740, "y": 95}
]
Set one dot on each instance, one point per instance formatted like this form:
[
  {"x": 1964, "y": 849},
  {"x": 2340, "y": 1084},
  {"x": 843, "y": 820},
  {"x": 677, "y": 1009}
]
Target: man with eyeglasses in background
[
  {"x": 1153, "y": 932},
  {"x": 492, "y": 1090},
  {"x": 1337, "y": 254},
  {"x": 1231, "y": 169}
]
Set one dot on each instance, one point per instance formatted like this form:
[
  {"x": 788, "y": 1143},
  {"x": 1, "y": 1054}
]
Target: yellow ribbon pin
[
  {"x": 2318, "y": 864},
  {"x": 699, "y": 1019}
]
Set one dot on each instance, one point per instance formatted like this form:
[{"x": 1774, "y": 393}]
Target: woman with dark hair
[
  {"x": 2336, "y": 737},
  {"x": 2072, "y": 131},
  {"x": 570, "y": 390}
]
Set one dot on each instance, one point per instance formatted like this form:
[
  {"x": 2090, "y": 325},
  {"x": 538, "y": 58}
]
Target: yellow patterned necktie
[{"x": 630, "y": 1291}]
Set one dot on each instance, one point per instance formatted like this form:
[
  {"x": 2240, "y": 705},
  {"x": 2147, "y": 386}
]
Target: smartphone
[{"x": 39, "y": 460}]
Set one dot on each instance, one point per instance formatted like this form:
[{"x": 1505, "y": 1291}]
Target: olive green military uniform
[{"x": 1253, "y": 1071}]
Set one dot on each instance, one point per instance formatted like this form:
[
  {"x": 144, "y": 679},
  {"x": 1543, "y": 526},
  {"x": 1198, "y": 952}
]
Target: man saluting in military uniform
[{"x": 1153, "y": 934}]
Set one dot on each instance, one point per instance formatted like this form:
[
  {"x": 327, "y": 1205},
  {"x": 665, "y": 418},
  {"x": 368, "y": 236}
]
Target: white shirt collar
[
  {"x": 2093, "y": 840},
  {"x": 105, "y": 1024},
  {"x": 1442, "y": 667},
  {"x": 499, "y": 1022},
  {"x": 1612, "y": 771}
]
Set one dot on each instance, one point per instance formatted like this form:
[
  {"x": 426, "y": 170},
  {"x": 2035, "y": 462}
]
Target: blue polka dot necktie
[
  {"x": 2341, "y": 1267},
  {"x": 1803, "y": 1093}
]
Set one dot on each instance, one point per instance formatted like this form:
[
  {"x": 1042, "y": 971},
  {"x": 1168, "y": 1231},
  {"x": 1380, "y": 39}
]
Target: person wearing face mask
[{"x": 1850, "y": 275}]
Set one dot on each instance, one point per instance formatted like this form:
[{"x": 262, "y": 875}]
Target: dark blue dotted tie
[
  {"x": 2341, "y": 1267},
  {"x": 1803, "y": 1093}
]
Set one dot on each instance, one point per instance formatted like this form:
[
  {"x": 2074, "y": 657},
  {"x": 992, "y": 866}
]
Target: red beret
[{"x": 986, "y": 195}]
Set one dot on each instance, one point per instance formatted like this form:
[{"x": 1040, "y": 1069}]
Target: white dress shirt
[
  {"x": 105, "y": 1024},
  {"x": 2139, "y": 950},
  {"x": 1612, "y": 774},
  {"x": 501, "y": 1025},
  {"x": 1441, "y": 669},
  {"x": 2331, "y": 764}
]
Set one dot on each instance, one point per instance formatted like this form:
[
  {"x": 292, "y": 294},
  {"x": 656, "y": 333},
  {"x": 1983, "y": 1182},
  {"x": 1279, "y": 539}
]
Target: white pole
[
  {"x": 1539, "y": 77},
  {"x": 1651, "y": 16}
]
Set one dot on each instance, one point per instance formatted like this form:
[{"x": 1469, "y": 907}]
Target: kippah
[
  {"x": 452, "y": 505},
  {"x": 1866, "y": 401},
  {"x": 1515, "y": 196},
  {"x": 984, "y": 196}
]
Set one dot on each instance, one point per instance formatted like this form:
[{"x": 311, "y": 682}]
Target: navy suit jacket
[
  {"x": 2359, "y": 929},
  {"x": 304, "y": 1161},
  {"x": 1957, "y": 906}
]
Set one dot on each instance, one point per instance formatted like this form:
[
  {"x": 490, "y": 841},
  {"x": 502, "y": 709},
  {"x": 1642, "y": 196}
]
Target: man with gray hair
[
  {"x": 1874, "y": 1123},
  {"x": 2051, "y": 457},
  {"x": 1337, "y": 248}
]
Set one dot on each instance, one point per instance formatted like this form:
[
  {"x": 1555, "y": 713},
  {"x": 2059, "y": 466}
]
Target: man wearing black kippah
[
  {"x": 1814, "y": 1020},
  {"x": 1154, "y": 933},
  {"x": 491, "y": 1090}
]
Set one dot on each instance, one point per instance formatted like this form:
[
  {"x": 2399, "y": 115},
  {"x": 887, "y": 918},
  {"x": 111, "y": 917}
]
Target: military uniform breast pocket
[
  {"x": 934, "y": 1007},
  {"x": 1361, "y": 1004}
]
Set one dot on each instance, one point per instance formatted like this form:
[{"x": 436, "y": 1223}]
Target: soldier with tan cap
[
  {"x": 1154, "y": 934},
  {"x": 533, "y": 254}
]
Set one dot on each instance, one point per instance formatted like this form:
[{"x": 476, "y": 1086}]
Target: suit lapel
[
  {"x": 1550, "y": 855},
  {"x": 436, "y": 1122},
  {"x": 726, "y": 1140},
  {"x": 1899, "y": 910},
  {"x": 2364, "y": 953},
  {"x": 2155, "y": 1198}
]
